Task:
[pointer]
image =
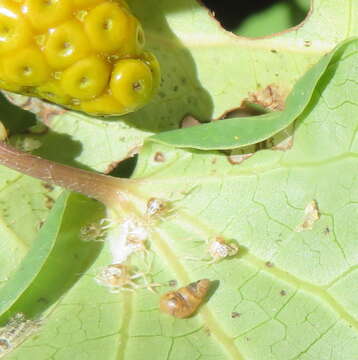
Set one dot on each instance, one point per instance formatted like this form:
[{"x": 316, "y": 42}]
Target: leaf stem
[{"x": 109, "y": 190}]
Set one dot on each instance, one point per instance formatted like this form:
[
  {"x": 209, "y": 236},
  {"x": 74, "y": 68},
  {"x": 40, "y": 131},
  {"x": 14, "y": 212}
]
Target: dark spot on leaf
[
  {"x": 42, "y": 300},
  {"x": 274, "y": 51},
  {"x": 49, "y": 202},
  {"x": 235, "y": 314},
  {"x": 269, "y": 264},
  {"x": 47, "y": 186},
  {"x": 159, "y": 157},
  {"x": 283, "y": 293},
  {"x": 175, "y": 88},
  {"x": 172, "y": 283}
]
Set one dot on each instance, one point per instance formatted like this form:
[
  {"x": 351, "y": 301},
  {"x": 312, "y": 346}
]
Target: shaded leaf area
[
  {"x": 201, "y": 76},
  {"x": 24, "y": 206},
  {"x": 55, "y": 260},
  {"x": 244, "y": 131},
  {"x": 290, "y": 291}
]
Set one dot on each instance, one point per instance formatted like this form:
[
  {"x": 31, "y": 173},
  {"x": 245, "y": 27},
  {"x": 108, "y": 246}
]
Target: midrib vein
[
  {"x": 210, "y": 322},
  {"x": 127, "y": 312}
]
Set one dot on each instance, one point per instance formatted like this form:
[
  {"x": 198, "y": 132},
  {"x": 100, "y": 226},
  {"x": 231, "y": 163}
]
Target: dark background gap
[{"x": 231, "y": 13}]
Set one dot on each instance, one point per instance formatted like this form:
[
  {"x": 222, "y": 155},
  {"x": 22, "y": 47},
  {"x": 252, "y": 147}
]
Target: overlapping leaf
[
  {"x": 290, "y": 293},
  {"x": 206, "y": 72}
]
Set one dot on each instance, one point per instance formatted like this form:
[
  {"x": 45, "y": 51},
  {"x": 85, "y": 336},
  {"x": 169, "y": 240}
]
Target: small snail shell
[{"x": 185, "y": 301}]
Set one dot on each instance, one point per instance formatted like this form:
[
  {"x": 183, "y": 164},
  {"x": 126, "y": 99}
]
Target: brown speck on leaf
[
  {"x": 207, "y": 331},
  {"x": 49, "y": 202},
  {"x": 283, "y": 293},
  {"x": 307, "y": 43},
  {"x": 235, "y": 314},
  {"x": 311, "y": 215},
  {"x": 47, "y": 186},
  {"x": 274, "y": 51},
  {"x": 40, "y": 224},
  {"x": 269, "y": 264},
  {"x": 159, "y": 157},
  {"x": 172, "y": 283},
  {"x": 189, "y": 121},
  {"x": 326, "y": 231},
  {"x": 272, "y": 97}
]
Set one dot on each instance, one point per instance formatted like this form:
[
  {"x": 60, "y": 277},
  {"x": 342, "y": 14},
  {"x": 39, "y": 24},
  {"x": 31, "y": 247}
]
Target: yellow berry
[
  {"x": 85, "y": 3},
  {"x": 131, "y": 83},
  {"x": 53, "y": 91},
  {"x": 44, "y": 14},
  {"x": 26, "y": 67},
  {"x": 107, "y": 26},
  {"x": 86, "y": 79},
  {"x": 66, "y": 44},
  {"x": 86, "y": 55},
  {"x": 105, "y": 104},
  {"x": 135, "y": 40},
  {"x": 154, "y": 66},
  {"x": 15, "y": 32}
]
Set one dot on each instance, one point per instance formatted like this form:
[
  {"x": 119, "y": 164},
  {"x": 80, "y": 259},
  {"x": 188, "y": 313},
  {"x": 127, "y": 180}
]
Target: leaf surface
[
  {"x": 206, "y": 72},
  {"x": 290, "y": 293},
  {"x": 55, "y": 260}
]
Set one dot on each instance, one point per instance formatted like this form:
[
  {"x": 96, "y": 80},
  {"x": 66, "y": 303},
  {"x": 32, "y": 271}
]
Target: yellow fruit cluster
[{"x": 86, "y": 55}]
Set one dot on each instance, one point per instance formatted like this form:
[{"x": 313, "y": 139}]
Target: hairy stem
[{"x": 110, "y": 191}]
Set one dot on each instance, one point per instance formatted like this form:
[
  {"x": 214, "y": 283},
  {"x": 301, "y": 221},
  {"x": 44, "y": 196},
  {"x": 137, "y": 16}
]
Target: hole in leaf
[
  {"x": 258, "y": 17},
  {"x": 125, "y": 168}
]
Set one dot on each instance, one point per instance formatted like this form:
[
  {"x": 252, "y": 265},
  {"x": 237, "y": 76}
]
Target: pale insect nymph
[
  {"x": 156, "y": 206},
  {"x": 220, "y": 248},
  {"x": 120, "y": 277}
]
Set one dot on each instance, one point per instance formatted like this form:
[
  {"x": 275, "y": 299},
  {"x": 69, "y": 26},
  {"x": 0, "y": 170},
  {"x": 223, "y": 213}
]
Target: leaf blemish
[
  {"x": 272, "y": 97},
  {"x": 159, "y": 157},
  {"x": 311, "y": 215}
]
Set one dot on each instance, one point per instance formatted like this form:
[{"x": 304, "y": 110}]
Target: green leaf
[
  {"x": 206, "y": 72},
  {"x": 277, "y": 17},
  {"x": 55, "y": 261},
  {"x": 244, "y": 131},
  {"x": 289, "y": 293}
]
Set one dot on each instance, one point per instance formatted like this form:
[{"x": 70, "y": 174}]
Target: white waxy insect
[
  {"x": 119, "y": 277},
  {"x": 219, "y": 249},
  {"x": 156, "y": 206}
]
